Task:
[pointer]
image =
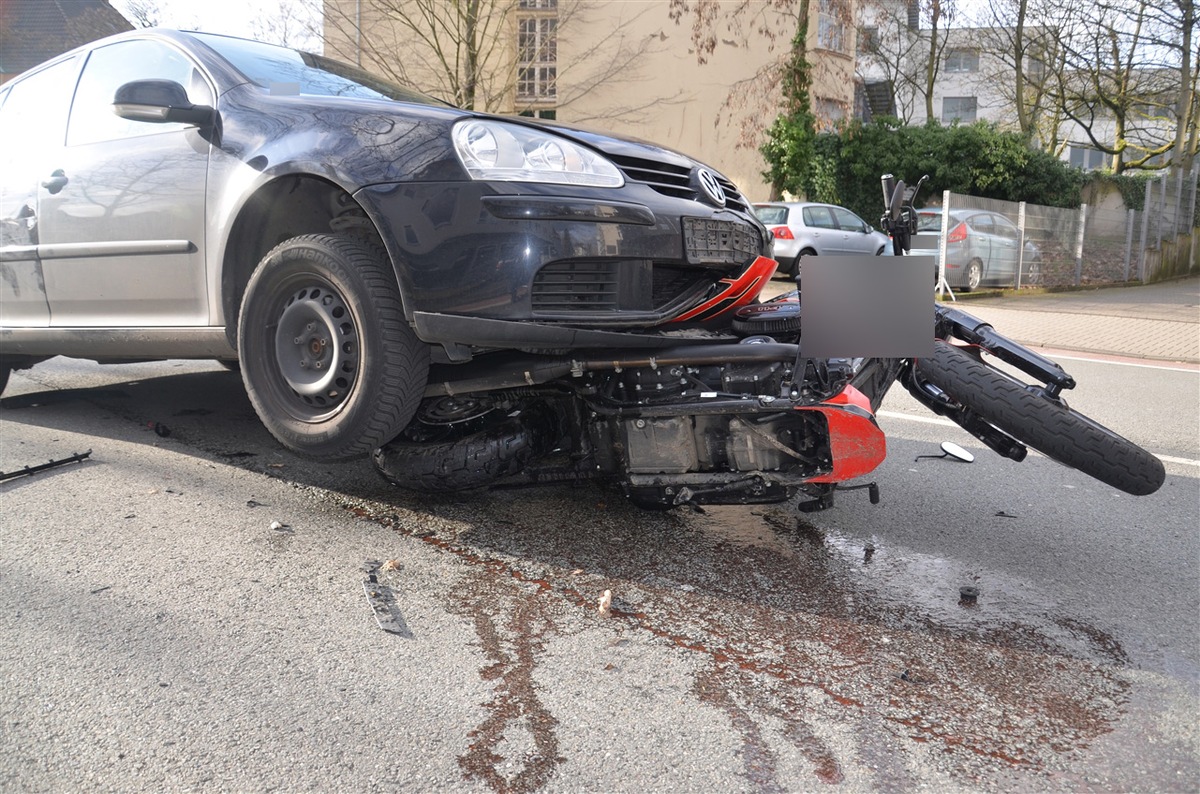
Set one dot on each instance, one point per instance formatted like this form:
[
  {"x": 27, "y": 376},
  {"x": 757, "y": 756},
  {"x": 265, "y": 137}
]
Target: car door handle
[{"x": 57, "y": 181}]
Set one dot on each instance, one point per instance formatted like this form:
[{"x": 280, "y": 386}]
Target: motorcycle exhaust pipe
[{"x": 512, "y": 373}]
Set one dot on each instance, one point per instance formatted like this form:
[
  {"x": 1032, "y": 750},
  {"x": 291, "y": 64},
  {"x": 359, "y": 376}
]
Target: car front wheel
[{"x": 329, "y": 362}]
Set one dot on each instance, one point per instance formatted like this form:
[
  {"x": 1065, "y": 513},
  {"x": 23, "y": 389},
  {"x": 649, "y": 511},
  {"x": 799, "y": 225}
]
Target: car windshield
[
  {"x": 283, "y": 70},
  {"x": 772, "y": 215},
  {"x": 929, "y": 221}
]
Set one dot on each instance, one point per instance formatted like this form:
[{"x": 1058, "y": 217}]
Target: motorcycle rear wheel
[{"x": 1033, "y": 419}]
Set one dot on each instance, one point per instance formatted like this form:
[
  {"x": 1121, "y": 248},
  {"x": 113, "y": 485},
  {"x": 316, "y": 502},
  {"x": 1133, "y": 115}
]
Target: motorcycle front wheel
[
  {"x": 1048, "y": 426},
  {"x": 471, "y": 455}
]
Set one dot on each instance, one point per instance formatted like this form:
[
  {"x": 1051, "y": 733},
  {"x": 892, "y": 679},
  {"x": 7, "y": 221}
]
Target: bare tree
[
  {"x": 909, "y": 47},
  {"x": 141, "y": 13},
  {"x": 781, "y": 28},
  {"x": 939, "y": 14},
  {"x": 292, "y": 23},
  {"x": 1024, "y": 55},
  {"x": 895, "y": 51},
  {"x": 1115, "y": 85},
  {"x": 475, "y": 54}
]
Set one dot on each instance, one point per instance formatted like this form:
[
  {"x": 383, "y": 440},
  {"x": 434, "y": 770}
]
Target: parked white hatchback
[{"x": 811, "y": 229}]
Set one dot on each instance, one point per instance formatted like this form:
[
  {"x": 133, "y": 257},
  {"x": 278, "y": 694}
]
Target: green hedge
[{"x": 975, "y": 159}]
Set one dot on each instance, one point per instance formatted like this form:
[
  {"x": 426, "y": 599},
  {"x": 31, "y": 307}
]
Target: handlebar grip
[{"x": 897, "y": 201}]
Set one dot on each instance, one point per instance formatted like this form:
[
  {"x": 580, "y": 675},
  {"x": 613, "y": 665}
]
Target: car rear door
[
  {"x": 822, "y": 229},
  {"x": 122, "y": 213},
  {"x": 33, "y": 123},
  {"x": 1005, "y": 248},
  {"x": 979, "y": 239}
]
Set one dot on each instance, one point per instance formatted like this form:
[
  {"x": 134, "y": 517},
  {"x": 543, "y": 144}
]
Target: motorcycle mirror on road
[{"x": 951, "y": 450}]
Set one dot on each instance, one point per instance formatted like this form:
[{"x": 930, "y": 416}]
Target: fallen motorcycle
[{"x": 740, "y": 415}]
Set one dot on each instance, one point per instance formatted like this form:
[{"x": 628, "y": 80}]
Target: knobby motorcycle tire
[
  {"x": 1033, "y": 419},
  {"x": 471, "y": 461}
]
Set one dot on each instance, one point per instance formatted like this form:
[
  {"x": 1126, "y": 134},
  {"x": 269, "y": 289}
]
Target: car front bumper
[{"x": 620, "y": 259}]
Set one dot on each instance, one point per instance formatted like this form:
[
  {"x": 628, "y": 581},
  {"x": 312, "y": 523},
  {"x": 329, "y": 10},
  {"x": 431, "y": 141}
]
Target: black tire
[
  {"x": 329, "y": 362},
  {"x": 1051, "y": 428},
  {"x": 461, "y": 462},
  {"x": 973, "y": 277},
  {"x": 1033, "y": 273},
  {"x": 5, "y": 371},
  {"x": 796, "y": 262}
]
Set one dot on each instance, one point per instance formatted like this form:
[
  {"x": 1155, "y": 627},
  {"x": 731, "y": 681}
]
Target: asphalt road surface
[{"x": 190, "y": 611}]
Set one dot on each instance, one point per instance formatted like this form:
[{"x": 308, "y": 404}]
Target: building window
[
  {"x": 831, "y": 28},
  {"x": 829, "y": 113},
  {"x": 868, "y": 40},
  {"x": 962, "y": 61},
  {"x": 537, "y": 52},
  {"x": 958, "y": 108},
  {"x": 1087, "y": 158}
]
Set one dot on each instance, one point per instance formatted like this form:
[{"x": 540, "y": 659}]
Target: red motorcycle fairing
[
  {"x": 856, "y": 443},
  {"x": 737, "y": 292}
]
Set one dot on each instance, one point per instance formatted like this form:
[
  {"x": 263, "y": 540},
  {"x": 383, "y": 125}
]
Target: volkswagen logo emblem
[{"x": 711, "y": 187}]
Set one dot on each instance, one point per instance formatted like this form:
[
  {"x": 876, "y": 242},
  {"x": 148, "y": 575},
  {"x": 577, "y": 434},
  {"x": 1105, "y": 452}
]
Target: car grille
[
  {"x": 675, "y": 180},
  {"x": 585, "y": 287},
  {"x": 707, "y": 241}
]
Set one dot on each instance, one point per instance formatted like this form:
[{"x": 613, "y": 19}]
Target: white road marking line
[
  {"x": 933, "y": 420},
  {"x": 1121, "y": 363}
]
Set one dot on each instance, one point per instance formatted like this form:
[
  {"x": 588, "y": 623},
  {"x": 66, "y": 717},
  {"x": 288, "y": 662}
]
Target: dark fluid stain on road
[
  {"x": 797, "y": 632},
  {"x": 510, "y": 626}
]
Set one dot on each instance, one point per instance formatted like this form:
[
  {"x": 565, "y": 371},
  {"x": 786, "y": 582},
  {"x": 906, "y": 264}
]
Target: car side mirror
[{"x": 158, "y": 102}]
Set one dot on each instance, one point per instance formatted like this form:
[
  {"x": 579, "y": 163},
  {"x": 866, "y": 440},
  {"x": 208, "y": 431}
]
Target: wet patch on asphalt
[{"x": 797, "y": 629}]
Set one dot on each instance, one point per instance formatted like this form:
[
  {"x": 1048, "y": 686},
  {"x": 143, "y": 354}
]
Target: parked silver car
[
  {"x": 981, "y": 247},
  {"x": 810, "y": 229}
]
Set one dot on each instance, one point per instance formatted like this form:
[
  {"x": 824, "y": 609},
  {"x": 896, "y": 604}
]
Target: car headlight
[{"x": 503, "y": 152}]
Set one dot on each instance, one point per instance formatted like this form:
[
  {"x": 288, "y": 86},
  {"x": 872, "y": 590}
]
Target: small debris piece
[
  {"x": 577, "y": 572},
  {"x": 78, "y": 457},
  {"x": 160, "y": 430},
  {"x": 382, "y": 600},
  {"x": 1002, "y": 514},
  {"x": 276, "y": 465},
  {"x": 252, "y": 503},
  {"x": 968, "y": 594},
  {"x": 278, "y": 527},
  {"x": 391, "y": 565},
  {"x": 606, "y": 604}
]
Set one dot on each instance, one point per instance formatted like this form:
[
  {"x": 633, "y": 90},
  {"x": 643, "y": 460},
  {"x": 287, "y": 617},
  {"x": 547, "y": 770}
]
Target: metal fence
[{"x": 991, "y": 243}]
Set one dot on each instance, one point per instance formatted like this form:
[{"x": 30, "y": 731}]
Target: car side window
[
  {"x": 818, "y": 218},
  {"x": 772, "y": 216},
  {"x": 981, "y": 223},
  {"x": 1004, "y": 227},
  {"x": 847, "y": 221},
  {"x": 34, "y": 116},
  {"x": 108, "y": 68}
]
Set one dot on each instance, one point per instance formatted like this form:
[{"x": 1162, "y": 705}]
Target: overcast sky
[{"x": 235, "y": 17}]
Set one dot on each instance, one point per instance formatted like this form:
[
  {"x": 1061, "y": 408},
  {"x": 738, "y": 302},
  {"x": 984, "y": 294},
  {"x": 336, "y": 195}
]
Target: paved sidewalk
[{"x": 1158, "y": 321}]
